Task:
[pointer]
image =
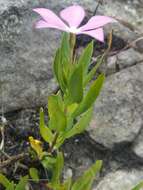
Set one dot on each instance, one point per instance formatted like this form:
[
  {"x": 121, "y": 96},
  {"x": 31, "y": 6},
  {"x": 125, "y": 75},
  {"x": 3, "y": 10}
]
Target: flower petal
[
  {"x": 73, "y": 15},
  {"x": 50, "y": 18},
  {"x": 41, "y": 24},
  {"x": 44, "y": 24},
  {"x": 97, "y": 22},
  {"x": 97, "y": 34}
]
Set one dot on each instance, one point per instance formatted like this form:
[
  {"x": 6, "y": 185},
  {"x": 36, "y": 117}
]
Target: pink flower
[{"x": 71, "y": 18}]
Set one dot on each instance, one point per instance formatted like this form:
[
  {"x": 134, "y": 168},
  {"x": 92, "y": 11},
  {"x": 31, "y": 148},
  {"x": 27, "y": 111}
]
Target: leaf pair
[
  {"x": 57, "y": 116},
  {"x": 62, "y": 63},
  {"x": 90, "y": 96},
  {"x": 85, "y": 182},
  {"x": 76, "y": 81},
  {"x": 45, "y": 132},
  {"x": 56, "y": 172},
  {"x": 75, "y": 85},
  {"x": 11, "y": 186},
  {"x": 81, "y": 125}
]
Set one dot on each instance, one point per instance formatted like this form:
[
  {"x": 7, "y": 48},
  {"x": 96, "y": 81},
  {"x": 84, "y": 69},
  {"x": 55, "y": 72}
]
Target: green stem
[
  {"x": 72, "y": 45},
  {"x": 53, "y": 143}
]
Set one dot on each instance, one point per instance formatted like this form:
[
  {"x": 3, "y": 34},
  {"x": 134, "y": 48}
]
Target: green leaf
[
  {"x": 48, "y": 162},
  {"x": 60, "y": 140},
  {"x": 67, "y": 184},
  {"x": 75, "y": 85},
  {"x": 34, "y": 174},
  {"x": 138, "y": 187},
  {"x": 57, "y": 62},
  {"x": 58, "y": 70},
  {"x": 22, "y": 183},
  {"x": 85, "y": 57},
  {"x": 11, "y": 186},
  {"x": 85, "y": 181},
  {"x": 91, "y": 74},
  {"x": 57, "y": 116},
  {"x": 65, "y": 47},
  {"x": 71, "y": 108},
  {"x": 57, "y": 170},
  {"x": 91, "y": 95},
  {"x": 60, "y": 100},
  {"x": 81, "y": 125},
  {"x": 4, "y": 181},
  {"x": 62, "y": 62},
  {"x": 44, "y": 130}
]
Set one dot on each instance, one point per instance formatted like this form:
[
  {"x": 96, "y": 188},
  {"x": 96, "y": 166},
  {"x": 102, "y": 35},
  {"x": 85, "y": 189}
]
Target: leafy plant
[
  {"x": 138, "y": 186},
  {"x": 10, "y": 185},
  {"x": 70, "y": 109}
]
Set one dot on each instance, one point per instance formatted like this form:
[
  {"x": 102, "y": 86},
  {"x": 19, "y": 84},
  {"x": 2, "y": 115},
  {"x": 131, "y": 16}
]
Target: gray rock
[
  {"x": 26, "y": 54},
  {"x": 130, "y": 12},
  {"x": 26, "y": 57},
  {"x": 138, "y": 44},
  {"x": 118, "y": 110},
  {"x": 128, "y": 58},
  {"x": 120, "y": 180},
  {"x": 67, "y": 173},
  {"x": 122, "y": 60},
  {"x": 138, "y": 145},
  {"x": 129, "y": 15}
]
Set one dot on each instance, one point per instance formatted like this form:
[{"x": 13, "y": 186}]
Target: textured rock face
[
  {"x": 138, "y": 145},
  {"x": 118, "y": 111},
  {"x": 26, "y": 57},
  {"x": 129, "y": 11},
  {"x": 120, "y": 180},
  {"x": 26, "y": 54},
  {"x": 26, "y": 60},
  {"x": 122, "y": 60}
]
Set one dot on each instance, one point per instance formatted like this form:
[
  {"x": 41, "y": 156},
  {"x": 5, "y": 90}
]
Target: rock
[
  {"x": 138, "y": 44},
  {"x": 26, "y": 54},
  {"x": 129, "y": 15},
  {"x": 138, "y": 145},
  {"x": 122, "y": 60},
  {"x": 128, "y": 58},
  {"x": 67, "y": 173},
  {"x": 111, "y": 65},
  {"x": 25, "y": 72},
  {"x": 118, "y": 110},
  {"x": 120, "y": 180},
  {"x": 6, "y": 4},
  {"x": 129, "y": 12}
]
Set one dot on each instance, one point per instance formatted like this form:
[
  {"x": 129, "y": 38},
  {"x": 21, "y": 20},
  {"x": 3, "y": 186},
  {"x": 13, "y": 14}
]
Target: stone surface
[
  {"x": 130, "y": 12},
  {"x": 118, "y": 111},
  {"x": 122, "y": 60},
  {"x": 138, "y": 44},
  {"x": 26, "y": 80},
  {"x": 26, "y": 57},
  {"x": 138, "y": 145},
  {"x": 120, "y": 180},
  {"x": 128, "y": 58},
  {"x": 26, "y": 54}
]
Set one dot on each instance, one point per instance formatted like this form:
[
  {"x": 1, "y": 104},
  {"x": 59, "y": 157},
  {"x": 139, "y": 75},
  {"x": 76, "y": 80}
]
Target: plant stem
[
  {"x": 53, "y": 143},
  {"x": 72, "y": 45}
]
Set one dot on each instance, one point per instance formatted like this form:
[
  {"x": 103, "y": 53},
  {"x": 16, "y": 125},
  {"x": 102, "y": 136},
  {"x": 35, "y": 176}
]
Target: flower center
[{"x": 73, "y": 30}]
